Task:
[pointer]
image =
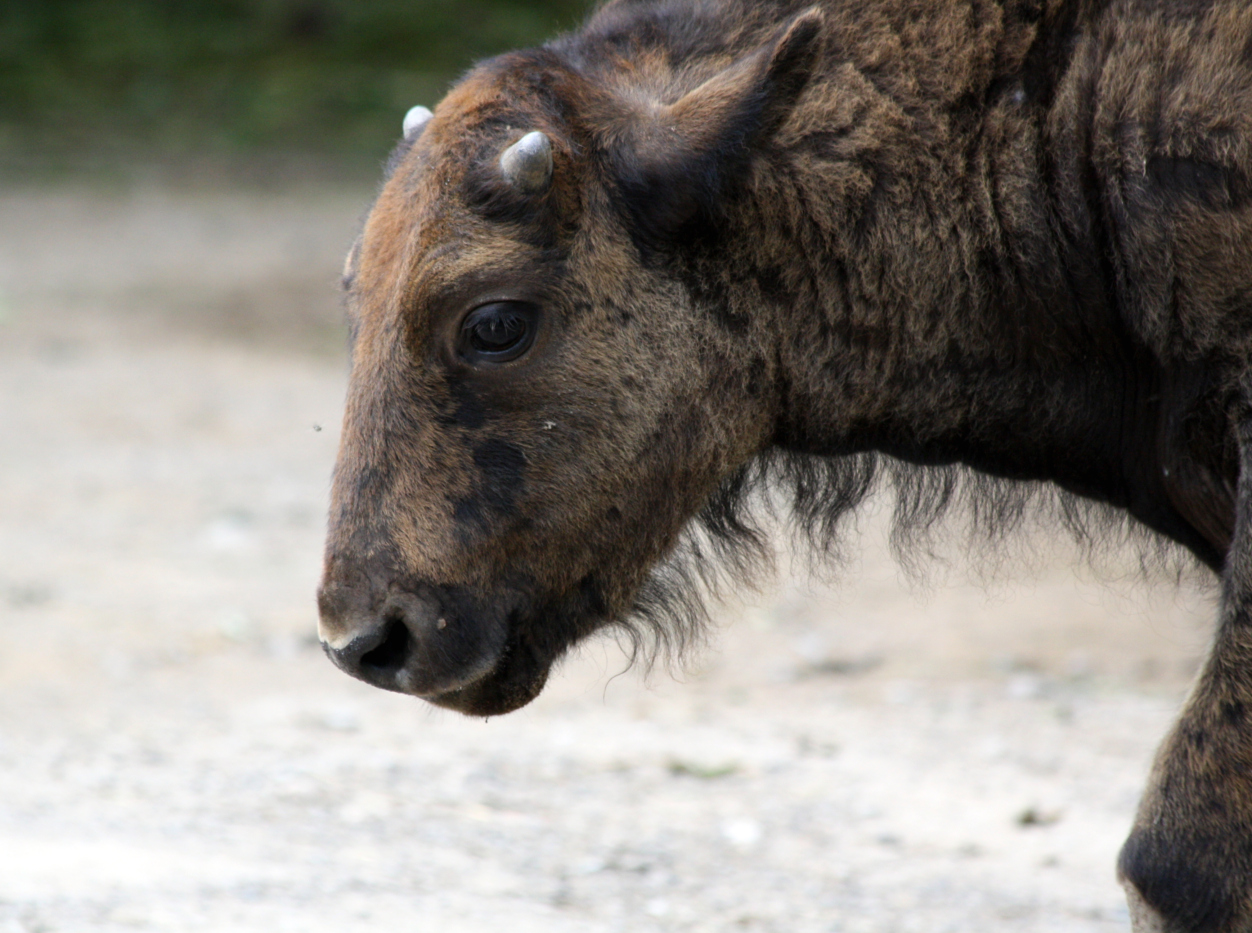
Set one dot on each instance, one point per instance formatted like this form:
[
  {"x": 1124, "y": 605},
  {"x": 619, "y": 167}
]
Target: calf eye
[{"x": 498, "y": 332}]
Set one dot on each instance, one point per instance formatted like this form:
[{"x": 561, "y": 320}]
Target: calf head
[{"x": 540, "y": 400}]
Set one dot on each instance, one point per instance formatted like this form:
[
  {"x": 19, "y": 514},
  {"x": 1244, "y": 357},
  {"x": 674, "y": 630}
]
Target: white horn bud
[
  {"x": 415, "y": 121},
  {"x": 527, "y": 164}
]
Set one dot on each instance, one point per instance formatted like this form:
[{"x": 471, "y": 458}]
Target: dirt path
[{"x": 175, "y": 753}]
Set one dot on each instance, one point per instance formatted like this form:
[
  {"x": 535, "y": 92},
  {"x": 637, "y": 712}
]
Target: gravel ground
[{"x": 176, "y": 754}]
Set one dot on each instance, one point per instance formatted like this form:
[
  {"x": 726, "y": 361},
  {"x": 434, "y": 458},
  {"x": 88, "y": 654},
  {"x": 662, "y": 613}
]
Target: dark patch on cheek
[
  {"x": 502, "y": 466},
  {"x": 468, "y": 412}
]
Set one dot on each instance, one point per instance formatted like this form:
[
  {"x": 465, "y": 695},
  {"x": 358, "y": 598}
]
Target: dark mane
[{"x": 813, "y": 501}]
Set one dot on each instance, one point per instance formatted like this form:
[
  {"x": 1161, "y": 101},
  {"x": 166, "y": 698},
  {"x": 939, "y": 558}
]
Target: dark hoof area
[{"x": 1183, "y": 880}]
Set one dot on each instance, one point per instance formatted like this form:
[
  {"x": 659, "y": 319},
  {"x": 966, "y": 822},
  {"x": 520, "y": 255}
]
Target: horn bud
[
  {"x": 415, "y": 121},
  {"x": 527, "y": 164}
]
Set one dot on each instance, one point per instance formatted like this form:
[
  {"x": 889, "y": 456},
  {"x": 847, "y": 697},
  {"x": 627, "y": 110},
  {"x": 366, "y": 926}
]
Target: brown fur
[{"x": 999, "y": 251}]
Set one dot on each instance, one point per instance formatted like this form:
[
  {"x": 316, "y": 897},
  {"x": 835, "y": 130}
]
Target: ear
[{"x": 679, "y": 161}]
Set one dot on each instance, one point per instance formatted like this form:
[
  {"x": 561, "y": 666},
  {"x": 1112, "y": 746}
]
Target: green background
[{"x": 89, "y": 82}]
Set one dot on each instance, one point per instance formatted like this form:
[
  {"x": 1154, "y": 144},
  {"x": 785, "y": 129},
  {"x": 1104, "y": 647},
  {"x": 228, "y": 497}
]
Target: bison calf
[{"x": 615, "y": 284}]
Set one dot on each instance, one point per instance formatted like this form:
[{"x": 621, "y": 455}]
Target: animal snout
[
  {"x": 375, "y": 646},
  {"x": 409, "y": 642}
]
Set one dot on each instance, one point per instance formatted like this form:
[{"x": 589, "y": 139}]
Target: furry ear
[{"x": 678, "y": 160}]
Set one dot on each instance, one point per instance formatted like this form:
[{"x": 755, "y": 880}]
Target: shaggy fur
[
  {"x": 815, "y": 499},
  {"x": 989, "y": 255}
]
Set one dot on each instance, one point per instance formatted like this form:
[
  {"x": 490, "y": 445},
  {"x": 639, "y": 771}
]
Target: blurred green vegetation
[{"x": 93, "y": 80}]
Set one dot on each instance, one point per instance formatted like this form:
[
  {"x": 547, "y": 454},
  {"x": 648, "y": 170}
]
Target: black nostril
[{"x": 389, "y": 656}]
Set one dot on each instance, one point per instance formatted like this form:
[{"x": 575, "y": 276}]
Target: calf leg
[{"x": 1187, "y": 865}]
